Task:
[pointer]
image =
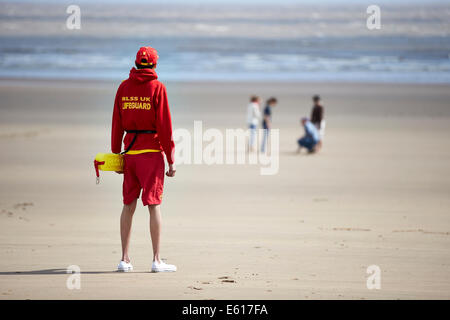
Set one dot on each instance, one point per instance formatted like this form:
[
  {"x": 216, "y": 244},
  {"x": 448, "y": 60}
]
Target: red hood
[{"x": 143, "y": 75}]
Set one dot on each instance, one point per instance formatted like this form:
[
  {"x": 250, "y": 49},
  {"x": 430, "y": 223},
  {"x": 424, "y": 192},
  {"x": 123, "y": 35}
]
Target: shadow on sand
[{"x": 59, "y": 271}]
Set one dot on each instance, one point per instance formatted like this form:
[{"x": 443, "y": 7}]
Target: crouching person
[{"x": 311, "y": 138}]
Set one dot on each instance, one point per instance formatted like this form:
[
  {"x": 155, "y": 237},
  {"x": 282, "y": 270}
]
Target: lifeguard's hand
[{"x": 171, "y": 172}]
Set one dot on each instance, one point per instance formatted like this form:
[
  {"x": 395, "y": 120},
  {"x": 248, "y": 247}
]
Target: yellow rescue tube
[{"x": 107, "y": 162}]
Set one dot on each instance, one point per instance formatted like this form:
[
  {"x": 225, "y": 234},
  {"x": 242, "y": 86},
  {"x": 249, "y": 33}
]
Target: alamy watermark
[
  {"x": 73, "y": 21},
  {"x": 213, "y": 146},
  {"x": 74, "y": 280},
  {"x": 374, "y": 278},
  {"x": 373, "y": 21}
]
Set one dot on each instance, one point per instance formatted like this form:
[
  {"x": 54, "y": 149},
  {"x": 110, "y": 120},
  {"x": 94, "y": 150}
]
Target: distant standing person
[
  {"x": 311, "y": 138},
  {"x": 267, "y": 121},
  {"x": 317, "y": 117},
  {"x": 253, "y": 116}
]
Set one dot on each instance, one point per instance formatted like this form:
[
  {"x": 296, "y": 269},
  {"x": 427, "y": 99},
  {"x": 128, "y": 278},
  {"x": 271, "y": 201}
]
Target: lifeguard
[{"x": 142, "y": 112}]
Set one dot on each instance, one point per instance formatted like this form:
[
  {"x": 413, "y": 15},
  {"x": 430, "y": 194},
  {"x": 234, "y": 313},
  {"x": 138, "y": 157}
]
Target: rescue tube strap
[
  {"x": 96, "y": 164},
  {"x": 136, "y": 132}
]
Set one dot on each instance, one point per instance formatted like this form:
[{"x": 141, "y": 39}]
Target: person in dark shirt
[
  {"x": 317, "y": 112},
  {"x": 267, "y": 121},
  {"x": 317, "y": 117}
]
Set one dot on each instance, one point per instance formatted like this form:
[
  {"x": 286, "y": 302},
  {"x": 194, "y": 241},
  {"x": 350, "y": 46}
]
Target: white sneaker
[
  {"x": 124, "y": 266},
  {"x": 163, "y": 267}
]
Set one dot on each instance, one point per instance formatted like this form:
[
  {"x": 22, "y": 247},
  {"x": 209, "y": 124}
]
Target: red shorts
[{"x": 143, "y": 171}]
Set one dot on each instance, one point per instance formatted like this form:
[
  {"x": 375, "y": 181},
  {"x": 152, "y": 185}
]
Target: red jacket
[{"x": 141, "y": 104}]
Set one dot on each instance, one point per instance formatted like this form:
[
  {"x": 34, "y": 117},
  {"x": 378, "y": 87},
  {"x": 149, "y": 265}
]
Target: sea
[{"x": 227, "y": 42}]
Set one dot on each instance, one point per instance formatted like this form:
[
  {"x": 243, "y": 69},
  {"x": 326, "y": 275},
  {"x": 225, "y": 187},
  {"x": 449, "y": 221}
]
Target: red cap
[{"x": 147, "y": 56}]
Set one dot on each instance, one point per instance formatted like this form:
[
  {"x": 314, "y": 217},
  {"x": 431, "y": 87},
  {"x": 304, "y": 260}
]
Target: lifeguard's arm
[
  {"x": 117, "y": 130},
  {"x": 164, "y": 124}
]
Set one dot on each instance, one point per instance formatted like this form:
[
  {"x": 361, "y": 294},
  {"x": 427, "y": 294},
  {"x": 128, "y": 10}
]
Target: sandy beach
[{"x": 377, "y": 194}]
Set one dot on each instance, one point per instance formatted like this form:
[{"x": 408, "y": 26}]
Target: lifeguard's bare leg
[
  {"x": 155, "y": 229},
  {"x": 125, "y": 228}
]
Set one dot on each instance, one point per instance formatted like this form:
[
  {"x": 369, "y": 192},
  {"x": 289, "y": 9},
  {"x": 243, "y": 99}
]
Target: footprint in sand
[
  {"x": 195, "y": 288},
  {"x": 6, "y": 212},
  {"x": 17, "y": 206},
  {"x": 23, "y": 205},
  {"x": 227, "y": 279}
]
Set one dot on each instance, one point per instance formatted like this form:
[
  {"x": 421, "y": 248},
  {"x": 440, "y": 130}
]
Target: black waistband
[{"x": 135, "y": 136}]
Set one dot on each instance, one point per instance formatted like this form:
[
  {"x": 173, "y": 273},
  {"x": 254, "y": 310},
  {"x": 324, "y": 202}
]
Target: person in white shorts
[
  {"x": 317, "y": 118},
  {"x": 253, "y": 116}
]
